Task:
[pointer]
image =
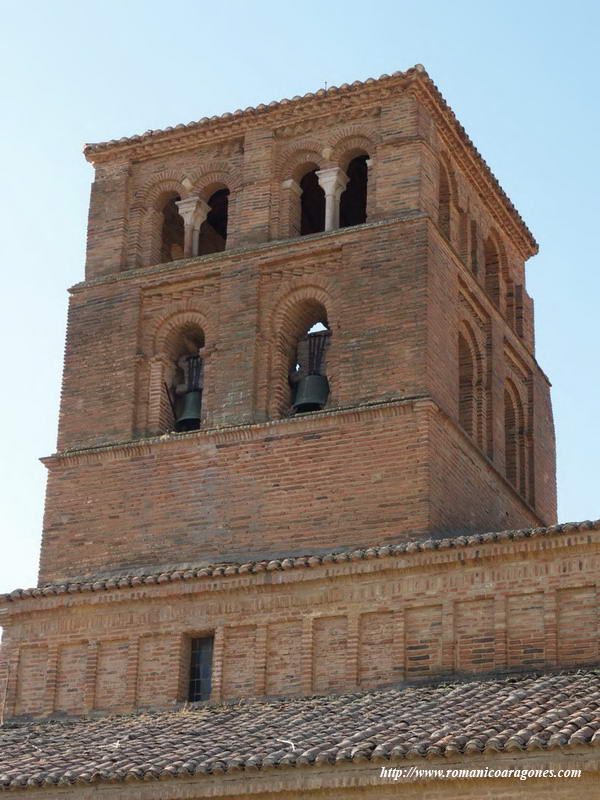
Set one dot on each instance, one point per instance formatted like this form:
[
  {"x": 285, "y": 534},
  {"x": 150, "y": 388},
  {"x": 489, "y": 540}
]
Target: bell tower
[
  {"x": 303, "y": 327},
  {"x": 305, "y": 446}
]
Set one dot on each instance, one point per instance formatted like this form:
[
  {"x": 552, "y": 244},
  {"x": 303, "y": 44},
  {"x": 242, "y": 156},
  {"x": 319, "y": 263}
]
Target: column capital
[
  {"x": 190, "y": 208},
  {"x": 332, "y": 180},
  {"x": 193, "y": 211}
]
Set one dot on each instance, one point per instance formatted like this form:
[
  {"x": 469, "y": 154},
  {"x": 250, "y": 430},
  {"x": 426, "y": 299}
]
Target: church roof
[
  {"x": 99, "y": 583},
  {"x": 533, "y": 712}
]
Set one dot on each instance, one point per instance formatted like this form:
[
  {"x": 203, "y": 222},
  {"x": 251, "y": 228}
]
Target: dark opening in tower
[
  {"x": 213, "y": 232},
  {"x": 308, "y": 378},
  {"x": 172, "y": 232},
  {"x": 353, "y": 203},
  {"x": 312, "y": 205},
  {"x": 187, "y": 382}
]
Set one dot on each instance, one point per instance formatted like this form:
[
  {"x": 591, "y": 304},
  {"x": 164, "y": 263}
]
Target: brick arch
[
  {"x": 168, "y": 181},
  {"x": 293, "y": 313},
  {"x": 289, "y": 302},
  {"x": 216, "y": 176},
  {"x": 469, "y": 380},
  {"x": 501, "y": 285},
  {"x": 451, "y": 220},
  {"x": 515, "y": 458},
  {"x": 349, "y": 146},
  {"x": 446, "y": 162},
  {"x": 495, "y": 266},
  {"x": 167, "y": 329},
  {"x": 143, "y": 246},
  {"x": 294, "y": 156},
  {"x": 163, "y": 354}
]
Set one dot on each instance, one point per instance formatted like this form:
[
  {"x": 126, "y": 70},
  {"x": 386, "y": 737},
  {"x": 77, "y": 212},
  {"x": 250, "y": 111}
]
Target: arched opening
[
  {"x": 444, "y": 202},
  {"x": 353, "y": 202},
  {"x": 184, "y": 384},
  {"x": 213, "y": 232},
  {"x": 474, "y": 248},
  {"x": 466, "y": 385},
  {"x": 312, "y": 204},
  {"x": 514, "y": 440},
  {"x": 172, "y": 231},
  {"x": 492, "y": 271},
  {"x": 308, "y": 372}
]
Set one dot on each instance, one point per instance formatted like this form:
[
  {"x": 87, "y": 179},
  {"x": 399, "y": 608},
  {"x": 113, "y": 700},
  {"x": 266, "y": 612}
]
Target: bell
[
  {"x": 311, "y": 393},
  {"x": 189, "y": 419}
]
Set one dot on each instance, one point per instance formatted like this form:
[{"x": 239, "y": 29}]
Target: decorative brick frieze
[{"x": 499, "y": 605}]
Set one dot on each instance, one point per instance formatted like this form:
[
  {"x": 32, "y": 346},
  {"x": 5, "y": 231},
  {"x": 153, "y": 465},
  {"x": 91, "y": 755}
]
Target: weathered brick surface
[
  {"x": 436, "y": 259},
  {"x": 413, "y": 441},
  {"x": 501, "y": 606}
]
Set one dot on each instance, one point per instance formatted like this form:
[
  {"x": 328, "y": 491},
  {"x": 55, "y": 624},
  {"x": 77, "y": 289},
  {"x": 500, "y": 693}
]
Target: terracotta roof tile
[
  {"x": 516, "y": 713},
  {"x": 102, "y": 583}
]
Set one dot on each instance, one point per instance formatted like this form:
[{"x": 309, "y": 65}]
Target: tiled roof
[
  {"x": 516, "y": 713},
  {"x": 252, "y": 111},
  {"x": 103, "y": 583},
  {"x": 415, "y": 73}
]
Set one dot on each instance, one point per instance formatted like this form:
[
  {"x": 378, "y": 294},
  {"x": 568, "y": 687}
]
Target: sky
[{"x": 521, "y": 77}]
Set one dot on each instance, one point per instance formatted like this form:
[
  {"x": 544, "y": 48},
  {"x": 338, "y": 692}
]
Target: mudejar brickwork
[{"x": 305, "y": 452}]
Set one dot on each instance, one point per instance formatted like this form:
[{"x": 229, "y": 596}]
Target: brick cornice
[
  {"x": 231, "y": 433},
  {"x": 282, "y": 249},
  {"x": 346, "y": 776},
  {"x": 358, "y": 95},
  {"x": 412, "y": 556}
]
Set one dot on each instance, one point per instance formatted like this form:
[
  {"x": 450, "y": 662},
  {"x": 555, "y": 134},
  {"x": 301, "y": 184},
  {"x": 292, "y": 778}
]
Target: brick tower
[
  {"x": 229, "y": 239},
  {"x": 299, "y": 386}
]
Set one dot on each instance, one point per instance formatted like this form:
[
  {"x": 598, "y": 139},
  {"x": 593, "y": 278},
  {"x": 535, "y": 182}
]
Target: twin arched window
[
  {"x": 194, "y": 228},
  {"x": 332, "y": 198}
]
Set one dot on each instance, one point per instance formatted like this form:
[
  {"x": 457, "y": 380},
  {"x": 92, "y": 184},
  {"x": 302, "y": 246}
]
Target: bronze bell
[
  {"x": 189, "y": 419},
  {"x": 312, "y": 392}
]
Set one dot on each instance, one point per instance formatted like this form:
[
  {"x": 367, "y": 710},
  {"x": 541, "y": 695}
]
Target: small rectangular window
[{"x": 200, "y": 668}]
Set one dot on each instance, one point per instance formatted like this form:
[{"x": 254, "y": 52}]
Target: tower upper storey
[{"x": 360, "y": 153}]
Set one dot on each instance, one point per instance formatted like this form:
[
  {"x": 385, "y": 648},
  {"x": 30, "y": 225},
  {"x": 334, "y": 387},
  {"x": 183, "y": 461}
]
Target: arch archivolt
[
  {"x": 166, "y": 330},
  {"x": 162, "y": 341},
  {"x": 349, "y": 145},
  {"x": 292, "y": 311},
  {"x": 151, "y": 193},
  {"x": 214, "y": 176},
  {"x": 291, "y": 159}
]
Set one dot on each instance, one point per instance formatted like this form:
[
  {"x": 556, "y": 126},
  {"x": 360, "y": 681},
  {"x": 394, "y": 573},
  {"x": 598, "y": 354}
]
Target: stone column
[
  {"x": 333, "y": 182},
  {"x": 194, "y": 211}
]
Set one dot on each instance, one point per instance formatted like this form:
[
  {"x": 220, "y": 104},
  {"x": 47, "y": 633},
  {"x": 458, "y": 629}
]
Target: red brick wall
[
  {"x": 393, "y": 311},
  {"x": 313, "y": 485},
  {"x": 496, "y": 606},
  {"x": 395, "y": 294}
]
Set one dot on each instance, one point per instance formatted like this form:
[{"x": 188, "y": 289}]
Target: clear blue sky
[{"x": 521, "y": 76}]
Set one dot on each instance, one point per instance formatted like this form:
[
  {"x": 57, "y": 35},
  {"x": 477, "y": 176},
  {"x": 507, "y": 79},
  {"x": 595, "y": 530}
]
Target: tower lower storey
[{"x": 375, "y": 474}]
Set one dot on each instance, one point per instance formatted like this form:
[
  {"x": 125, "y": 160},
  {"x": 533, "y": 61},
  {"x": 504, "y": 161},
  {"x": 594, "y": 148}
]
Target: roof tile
[
  {"x": 515, "y": 713},
  {"x": 100, "y": 583}
]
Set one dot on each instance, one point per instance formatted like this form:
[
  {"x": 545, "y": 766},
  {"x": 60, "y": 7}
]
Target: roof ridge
[
  {"x": 102, "y": 582},
  {"x": 95, "y": 147}
]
